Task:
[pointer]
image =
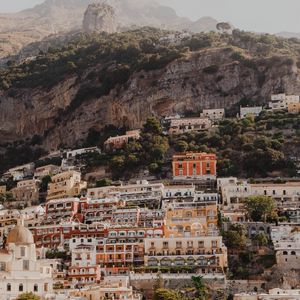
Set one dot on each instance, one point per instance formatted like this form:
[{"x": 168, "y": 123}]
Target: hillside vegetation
[
  {"x": 121, "y": 54},
  {"x": 122, "y": 79}
]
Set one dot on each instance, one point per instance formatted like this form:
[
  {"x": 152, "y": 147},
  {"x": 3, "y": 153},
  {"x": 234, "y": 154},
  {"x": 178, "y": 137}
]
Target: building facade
[
  {"x": 213, "y": 114},
  {"x": 20, "y": 271},
  {"x": 66, "y": 184},
  {"x": 179, "y": 126},
  {"x": 192, "y": 165}
]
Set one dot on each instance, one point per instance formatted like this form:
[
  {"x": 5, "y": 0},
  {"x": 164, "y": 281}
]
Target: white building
[
  {"x": 179, "y": 126},
  {"x": 282, "y": 101},
  {"x": 250, "y": 111},
  {"x": 213, "y": 114},
  {"x": 20, "y": 172},
  {"x": 139, "y": 193},
  {"x": 287, "y": 248},
  {"x": 20, "y": 271},
  {"x": 73, "y": 153},
  {"x": 178, "y": 191},
  {"x": 84, "y": 269},
  {"x": 287, "y": 195},
  {"x": 112, "y": 287},
  {"x": 274, "y": 294}
]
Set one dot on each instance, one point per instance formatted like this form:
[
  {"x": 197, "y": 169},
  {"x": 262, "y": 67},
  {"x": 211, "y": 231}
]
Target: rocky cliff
[
  {"x": 214, "y": 77},
  {"x": 100, "y": 18},
  {"x": 57, "y": 17}
]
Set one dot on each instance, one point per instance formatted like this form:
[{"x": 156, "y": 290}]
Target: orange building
[{"x": 192, "y": 165}]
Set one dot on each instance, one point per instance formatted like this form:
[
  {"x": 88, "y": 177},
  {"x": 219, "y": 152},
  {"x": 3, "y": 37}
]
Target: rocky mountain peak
[{"x": 100, "y": 17}]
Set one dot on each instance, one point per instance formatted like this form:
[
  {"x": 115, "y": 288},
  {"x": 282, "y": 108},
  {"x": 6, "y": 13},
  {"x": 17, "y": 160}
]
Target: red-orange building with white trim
[{"x": 193, "y": 165}]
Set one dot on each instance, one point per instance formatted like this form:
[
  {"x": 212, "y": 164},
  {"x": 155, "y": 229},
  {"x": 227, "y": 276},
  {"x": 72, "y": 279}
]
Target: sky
[{"x": 256, "y": 15}]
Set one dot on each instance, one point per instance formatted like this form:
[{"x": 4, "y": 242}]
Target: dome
[{"x": 20, "y": 235}]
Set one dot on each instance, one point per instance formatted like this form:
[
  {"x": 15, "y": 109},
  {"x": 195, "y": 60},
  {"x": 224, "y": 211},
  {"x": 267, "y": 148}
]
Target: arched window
[
  {"x": 285, "y": 253},
  {"x": 35, "y": 288},
  {"x": 8, "y": 288},
  {"x": 20, "y": 287},
  {"x": 293, "y": 253}
]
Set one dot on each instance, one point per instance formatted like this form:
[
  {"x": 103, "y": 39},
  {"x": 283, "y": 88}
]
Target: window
[
  {"x": 8, "y": 287},
  {"x": 23, "y": 249},
  {"x": 25, "y": 265},
  {"x": 2, "y": 266},
  {"x": 35, "y": 288},
  {"x": 20, "y": 287}
]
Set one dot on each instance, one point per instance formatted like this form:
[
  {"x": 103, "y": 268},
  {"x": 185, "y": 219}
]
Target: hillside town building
[
  {"x": 26, "y": 192},
  {"x": 182, "y": 125},
  {"x": 213, "y": 114},
  {"x": 250, "y": 111},
  {"x": 282, "y": 101},
  {"x": 66, "y": 184},
  {"x": 20, "y": 270},
  {"x": 118, "y": 142},
  {"x": 194, "y": 166}
]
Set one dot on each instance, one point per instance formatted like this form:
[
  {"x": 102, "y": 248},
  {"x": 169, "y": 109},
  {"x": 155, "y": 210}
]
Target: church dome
[{"x": 20, "y": 235}]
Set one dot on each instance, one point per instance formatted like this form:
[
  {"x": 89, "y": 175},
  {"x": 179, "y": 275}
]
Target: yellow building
[
  {"x": 294, "y": 108},
  {"x": 2, "y": 189},
  {"x": 207, "y": 253},
  {"x": 191, "y": 239},
  {"x": 66, "y": 184},
  {"x": 191, "y": 221},
  {"x": 27, "y": 191}
]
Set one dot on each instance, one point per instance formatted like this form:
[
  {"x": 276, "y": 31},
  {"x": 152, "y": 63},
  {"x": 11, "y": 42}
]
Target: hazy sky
[{"x": 257, "y": 15}]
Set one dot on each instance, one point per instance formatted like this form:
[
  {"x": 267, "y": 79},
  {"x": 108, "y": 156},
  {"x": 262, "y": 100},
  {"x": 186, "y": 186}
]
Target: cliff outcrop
[
  {"x": 210, "y": 78},
  {"x": 100, "y": 17}
]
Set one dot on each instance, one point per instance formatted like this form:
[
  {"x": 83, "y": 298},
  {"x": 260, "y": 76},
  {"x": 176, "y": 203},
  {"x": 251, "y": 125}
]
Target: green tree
[
  {"x": 202, "y": 292},
  {"x": 260, "y": 208},
  {"x": 166, "y": 294},
  {"x": 235, "y": 237},
  {"x": 103, "y": 182},
  {"x": 44, "y": 183},
  {"x": 261, "y": 239},
  {"x": 181, "y": 146},
  {"x": 28, "y": 296},
  {"x": 152, "y": 126}
]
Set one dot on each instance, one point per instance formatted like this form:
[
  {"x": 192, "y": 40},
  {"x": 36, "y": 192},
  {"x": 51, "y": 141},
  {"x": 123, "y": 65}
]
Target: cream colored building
[
  {"x": 66, "y": 184},
  {"x": 281, "y": 101},
  {"x": 179, "y": 126},
  {"x": 2, "y": 189},
  {"x": 114, "y": 287},
  {"x": 141, "y": 192},
  {"x": 274, "y": 294},
  {"x": 287, "y": 250},
  {"x": 27, "y": 191},
  {"x": 287, "y": 195},
  {"x": 48, "y": 170},
  {"x": 213, "y": 114},
  {"x": 294, "y": 108},
  {"x": 20, "y": 172},
  {"x": 208, "y": 254},
  {"x": 20, "y": 271},
  {"x": 250, "y": 111},
  {"x": 118, "y": 142},
  {"x": 191, "y": 221}
]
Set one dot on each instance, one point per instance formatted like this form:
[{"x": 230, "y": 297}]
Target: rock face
[
  {"x": 57, "y": 17},
  {"x": 99, "y": 18},
  {"x": 184, "y": 85}
]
